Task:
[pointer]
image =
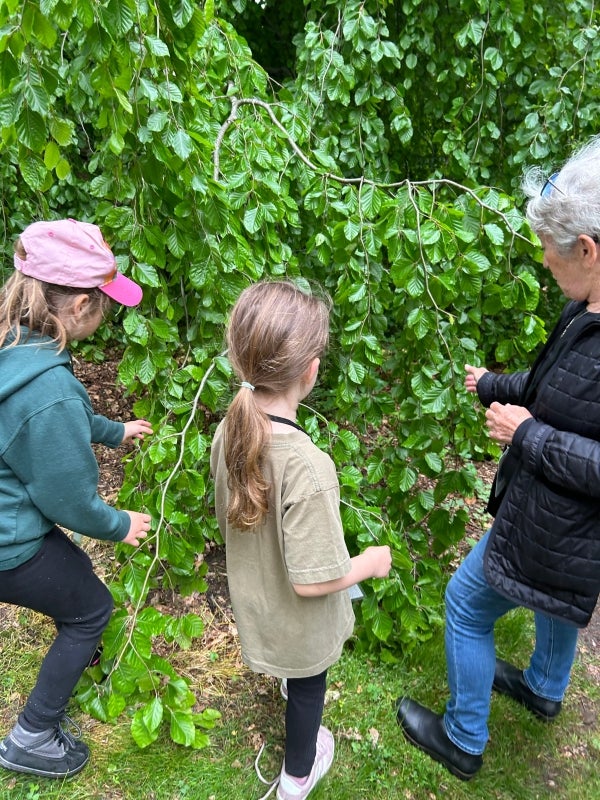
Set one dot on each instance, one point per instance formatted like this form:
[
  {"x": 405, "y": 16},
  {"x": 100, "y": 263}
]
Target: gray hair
[{"x": 568, "y": 204}]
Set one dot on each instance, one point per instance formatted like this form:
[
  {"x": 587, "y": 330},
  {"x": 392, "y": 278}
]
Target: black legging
[
  {"x": 306, "y": 697},
  {"x": 59, "y": 581}
]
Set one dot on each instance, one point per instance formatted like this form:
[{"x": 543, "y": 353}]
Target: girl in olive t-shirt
[{"x": 277, "y": 504}]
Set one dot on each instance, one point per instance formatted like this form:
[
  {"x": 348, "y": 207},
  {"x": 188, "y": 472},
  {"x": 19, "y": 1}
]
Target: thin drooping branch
[
  {"x": 238, "y": 102},
  {"x": 160, "y": 523}
]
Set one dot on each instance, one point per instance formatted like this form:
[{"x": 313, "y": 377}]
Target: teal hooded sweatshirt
[{"x": 48, "y": 470}]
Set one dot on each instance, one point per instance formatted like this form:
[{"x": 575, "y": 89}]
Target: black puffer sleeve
[
  {"x": 501, "y": 388},
  {"x": 562, "y": 458}
]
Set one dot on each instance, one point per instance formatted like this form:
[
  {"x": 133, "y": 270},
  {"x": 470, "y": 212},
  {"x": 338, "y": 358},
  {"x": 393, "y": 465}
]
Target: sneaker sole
[{"x": 44, "y": 773}]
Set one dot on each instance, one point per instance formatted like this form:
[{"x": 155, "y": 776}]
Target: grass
[{"x": 525, "y": 760}]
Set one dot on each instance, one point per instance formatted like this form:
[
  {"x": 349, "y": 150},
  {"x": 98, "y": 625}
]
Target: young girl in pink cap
[{"x": 64, "y": 283}]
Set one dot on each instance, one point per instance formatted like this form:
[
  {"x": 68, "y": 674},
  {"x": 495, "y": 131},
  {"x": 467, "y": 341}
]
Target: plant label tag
[{"x": 355, "y": 592}]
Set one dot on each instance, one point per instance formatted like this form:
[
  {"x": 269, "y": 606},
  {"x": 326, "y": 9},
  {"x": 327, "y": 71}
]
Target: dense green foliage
[{"x": 382, "y": 166}]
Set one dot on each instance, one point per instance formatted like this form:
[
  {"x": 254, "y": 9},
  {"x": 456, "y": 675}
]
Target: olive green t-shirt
[{"x": 301, "y": 541}]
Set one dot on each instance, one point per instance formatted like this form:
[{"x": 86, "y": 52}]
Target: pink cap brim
[{"x": 123, "y": 290}]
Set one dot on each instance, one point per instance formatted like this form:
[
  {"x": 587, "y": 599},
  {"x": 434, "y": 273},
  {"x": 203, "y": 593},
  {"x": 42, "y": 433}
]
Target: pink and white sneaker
[{"x": 290, "y": 789}]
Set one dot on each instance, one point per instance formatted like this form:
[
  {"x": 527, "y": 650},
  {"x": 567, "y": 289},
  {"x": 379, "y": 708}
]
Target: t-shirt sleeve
[{"x": 313, "y": 538}]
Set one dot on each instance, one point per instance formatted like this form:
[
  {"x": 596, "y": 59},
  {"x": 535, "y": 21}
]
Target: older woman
[{"x": 543, "y": 550}]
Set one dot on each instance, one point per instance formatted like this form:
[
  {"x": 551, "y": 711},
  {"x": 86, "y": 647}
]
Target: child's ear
[
  {"x": 310, "y": 375},
  {"x": 80, "y": 304}
]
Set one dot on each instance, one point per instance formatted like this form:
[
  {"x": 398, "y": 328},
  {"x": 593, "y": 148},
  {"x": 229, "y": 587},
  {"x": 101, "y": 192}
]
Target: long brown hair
[
  {"x": 275, "y": 331},
  {"x": 37, "y": 305}
]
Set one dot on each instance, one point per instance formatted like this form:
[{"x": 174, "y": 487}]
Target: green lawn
[{"x": 525, "y": 760}]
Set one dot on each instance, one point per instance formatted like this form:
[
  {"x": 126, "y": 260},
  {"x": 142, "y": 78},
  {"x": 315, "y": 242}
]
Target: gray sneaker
[{"x": 53, "y": 753}]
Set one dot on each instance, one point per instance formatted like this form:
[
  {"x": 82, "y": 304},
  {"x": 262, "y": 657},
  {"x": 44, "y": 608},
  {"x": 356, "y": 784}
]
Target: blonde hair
[
  {"x": 275, "y": 331},
  {"x": 38, "y": 306}
]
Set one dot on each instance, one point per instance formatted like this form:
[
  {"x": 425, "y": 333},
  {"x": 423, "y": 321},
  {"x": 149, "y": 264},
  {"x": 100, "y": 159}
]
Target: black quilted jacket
[{"x": 544, "y": 547}]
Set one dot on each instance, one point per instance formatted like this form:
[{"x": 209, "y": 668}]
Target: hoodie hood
[{"x": 20, "y": 365}]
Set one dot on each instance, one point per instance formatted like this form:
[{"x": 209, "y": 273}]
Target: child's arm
[
  {"x": 112, "y": 433},
  {"x": 374, "y": 562}
]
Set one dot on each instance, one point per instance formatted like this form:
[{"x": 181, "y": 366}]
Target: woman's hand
[
  {"x": 472, "y": 377},
  {"x": 503, "y": 420},
  {"x": 136, "y": 429}
]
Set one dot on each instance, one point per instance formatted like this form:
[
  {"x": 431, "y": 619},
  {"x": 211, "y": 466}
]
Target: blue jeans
[{"x": 472, "y": 608}]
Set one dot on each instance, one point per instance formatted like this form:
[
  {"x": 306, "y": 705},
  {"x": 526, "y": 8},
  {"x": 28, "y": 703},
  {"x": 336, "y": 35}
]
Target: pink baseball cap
[{"x": 72, "y": 253}]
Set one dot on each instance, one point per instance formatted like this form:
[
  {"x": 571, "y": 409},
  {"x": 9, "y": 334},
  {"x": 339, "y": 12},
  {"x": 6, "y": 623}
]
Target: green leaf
[
  {"x": 147, "y": 370},
  {"x": 473, "y": 31},
  {"x": 477, "y": 260},
  {"x": 434, "y": 462},
  {"x": 61, "y": 130},
  {"x": 62, "y": 169},
  {"x": 156, "y": 46},
  {"x": 376, "y": 470},
  {"x": 134, "y": 579},
  {"x": 181, "y": 144},
  {"x": 51, "y": 155},
  {"x": 114, "y": 635},
  {"x": 146, "y": 274},
  {"x": 140, "y": 731},
  {"x": 182, "y": 11},
  {"x": 34, "y": 171},
  {"x": 36, "y": 97},
  {"x": 382, "y": 626},
  {"x": 403, "y": 478},
  {"x": 402, "y": 561},
  {"x": 31, "y": 130},
  {"x": 123, "y": 101},
  {"x": 152, "y": 714},
  {"x": 170, "y": 91},
  {"x": 351, "y": 229},
  {"x": 370, "y": 200},
  {"x": 119, "y": 17},
  {"x": 252, "y": 220},
  {"x": 157, "y": 121},
  {"x": 97, "y": 706},
  {"x": 356, "y": 372},
  {"x": 182, "y": 728}
]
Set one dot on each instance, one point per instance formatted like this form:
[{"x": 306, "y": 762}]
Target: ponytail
[
  {"x": 275, "y": 331},
  {"x": 247, "y": 431}
]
